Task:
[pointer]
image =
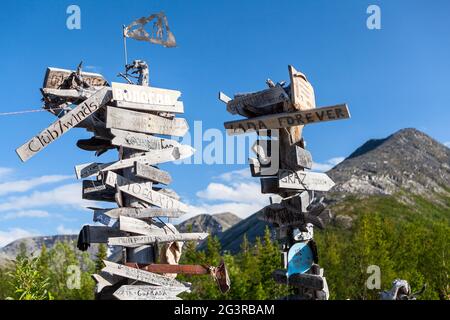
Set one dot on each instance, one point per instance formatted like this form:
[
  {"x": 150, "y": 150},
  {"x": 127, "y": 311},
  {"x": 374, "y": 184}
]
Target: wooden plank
[
  {"x": 143, "y": 292},
  {"x": 303, "y": 180},
  {"x": 288, "y": 119},
  {"x": 54, "y": 78},
  {"x": 151, "y": 173},
  {"x": 140, "y": 213},
  {"x": 302, "y": 92},
  {"x": 64, "y": 124},
  {"x": 143, "y": 192},
  {"x": 178, "y": 107},
  {"x": 134, "y": 241},
  {"x": 69, "y": 93},
  {"x": 300, "y": 280},
  {"x": 93, "y": 186},
  {"x": 155, "y": 157},
  {"x": 105, "y": 280},
  {"x": 153, "y": 96},
  {"x": 118, "y": 118},
  {"x": 137, "y": 226},
  {"x": 141, "y": 275},
  {"x": 257, "y": 100},
  {"x": 102, "y": 218},
  {"x": 304, "y": 157},
  {"x": 141, "y": 141}
]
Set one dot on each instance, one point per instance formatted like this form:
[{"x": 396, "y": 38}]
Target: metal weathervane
[{"x": 135, "y": 119}]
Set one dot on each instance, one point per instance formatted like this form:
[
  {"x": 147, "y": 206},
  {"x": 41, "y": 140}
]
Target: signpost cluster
[
  {"x": 136, "y": 120},
  {"x": 278, "y": 115}
]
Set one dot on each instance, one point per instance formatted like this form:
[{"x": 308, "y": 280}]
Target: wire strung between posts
[{"x": 27, "y": 111}]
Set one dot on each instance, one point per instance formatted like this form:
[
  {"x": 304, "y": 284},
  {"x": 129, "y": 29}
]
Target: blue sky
[{"x": 391, "y": 78}]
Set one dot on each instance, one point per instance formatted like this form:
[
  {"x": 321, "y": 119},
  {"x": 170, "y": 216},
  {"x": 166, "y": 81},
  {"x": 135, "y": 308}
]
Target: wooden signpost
[
  {"x": 288, "y": 109},
  {"x": 124, "y": 117}
]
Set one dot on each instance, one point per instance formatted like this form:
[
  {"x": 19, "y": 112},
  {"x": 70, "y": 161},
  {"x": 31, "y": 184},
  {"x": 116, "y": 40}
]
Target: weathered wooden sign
[
  {"x": 151, "y": 173},
  {"x": 105, "y": 279},
  {"x": 143, "y": 292},
  {"x": 288, "y": 119},
  {"x": 64, "y": 124},
  {"x": 140, "y": 275},
  {"x": 139, "y": 213},
  {"x": 258, "y": 170},
  {"x": 142, "y": 240},
  {"x": 102, "y": 218},
  {"x": 304, "y": 158},
  {"x": 95, "y": 190},
  {"x": 155, "y": 157},
  {"x": 100, "y": 234},
  {"x": 133, "y": 225},
  {"x": 141, "y": 141},
  {"x": 55, "y": 77},
  {"x": 118, "y": 118},
  {"x": 146, "y": 98},
  {"x": 302, "y": 180},
  {"x": 302, "y": 92},
  {"x": 143, "y": 192},
  {"x": 258, "y": 100}
]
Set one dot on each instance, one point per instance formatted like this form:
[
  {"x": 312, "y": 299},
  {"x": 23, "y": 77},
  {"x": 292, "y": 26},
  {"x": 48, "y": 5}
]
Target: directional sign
[
  {"x": 300, "y": 258},
  {"x": 146, "y": 98},
  {"x": 102, "y": 218},
  {"x": 140, "y": 275},
  {"x": 142, "y": 292},
  {"x": 141, "y": 141},
  {"x": 105, "y": 280},
  {"x": 139, "y": 213},
  {"x": 138, "y": 226},
  {"x": 97, "y": 190},
  {"x": 99, "y": 234},
  {"x": 257, "y": 101},
  {"x": 288, "y": 119},
  {"x": 151, "y": 173},
  {"x": 302, "y": 180},
  {"x": 258, "y": 170},
  {"x": 144, "y": 122},
  {"x": 154, "y": 157},
  {"x": 143, "y": 192},
  {"x": 64, "y": 124},
  {"x": 302, "y": 92},
  {"x": 142, "y": 240},
  {"x": 54, "y": 78}
]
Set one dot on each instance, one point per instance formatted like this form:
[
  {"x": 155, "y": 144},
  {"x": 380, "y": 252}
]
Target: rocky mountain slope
[{"x": 213, "y": 224}]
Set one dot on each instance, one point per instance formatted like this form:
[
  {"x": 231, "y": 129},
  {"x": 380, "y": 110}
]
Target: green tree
[{"x": 101, "y": 255}]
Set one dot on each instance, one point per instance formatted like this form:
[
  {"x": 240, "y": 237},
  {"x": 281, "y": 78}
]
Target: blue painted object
[{"x": 300, "y": 258}]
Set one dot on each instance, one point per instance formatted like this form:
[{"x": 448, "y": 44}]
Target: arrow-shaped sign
[
  {"x": 302, "y": 180},
  {"x": 142, "y": 240},
  {"x": 143, "y": 292}
]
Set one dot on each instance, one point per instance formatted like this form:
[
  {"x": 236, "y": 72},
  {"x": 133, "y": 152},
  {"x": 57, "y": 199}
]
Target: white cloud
[
  {"x": 235, "y": 191},
  {"x": 5, "y": 171},
  {"x": 24, "y": 214},
  {"x": 13, "y": 234},
  {"x": 61, "y": 229},
  {"x": 26, "y": 185},
  {"x": 447, "y": 144},
  {"x": 327, "y": 165},
  {"x": 68, "y": 195}
]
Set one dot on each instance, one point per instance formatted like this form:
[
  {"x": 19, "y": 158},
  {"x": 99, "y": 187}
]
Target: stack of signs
[
  {"x": 138, "y": 119},
  {"x": 282, "y": 163}
]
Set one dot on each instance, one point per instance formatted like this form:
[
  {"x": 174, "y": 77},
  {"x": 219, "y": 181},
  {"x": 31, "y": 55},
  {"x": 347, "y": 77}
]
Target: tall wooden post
[{"x": 284, "y": 171}]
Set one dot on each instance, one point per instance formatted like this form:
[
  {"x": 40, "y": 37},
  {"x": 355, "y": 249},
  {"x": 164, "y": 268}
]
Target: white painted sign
[
  {"x": 156, "y": 156},
  {"x": 302, "y": 180},
  {"x": 141, "y": 141},
  {"x": 139, "y": 213},
  {"x": 143, "y": 192},
  {"x": 134, "y": 241},
  {"x": 140, "y": 275},
  {"x": 64, "y": 124},
  {"x": 151, "y": 173},
  {"x": 118, "y": 118},
  {"x": 143, "y": 292},
  {"x": 138, "y": 226}
]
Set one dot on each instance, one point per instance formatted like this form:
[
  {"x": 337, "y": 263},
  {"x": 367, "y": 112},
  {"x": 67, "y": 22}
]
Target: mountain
[
  {"x": 33, "y": 246},
  {"x": 406, "y": 160},
  {"x": 401, "y": 169},
  {"x": 213, "y": 224}
]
